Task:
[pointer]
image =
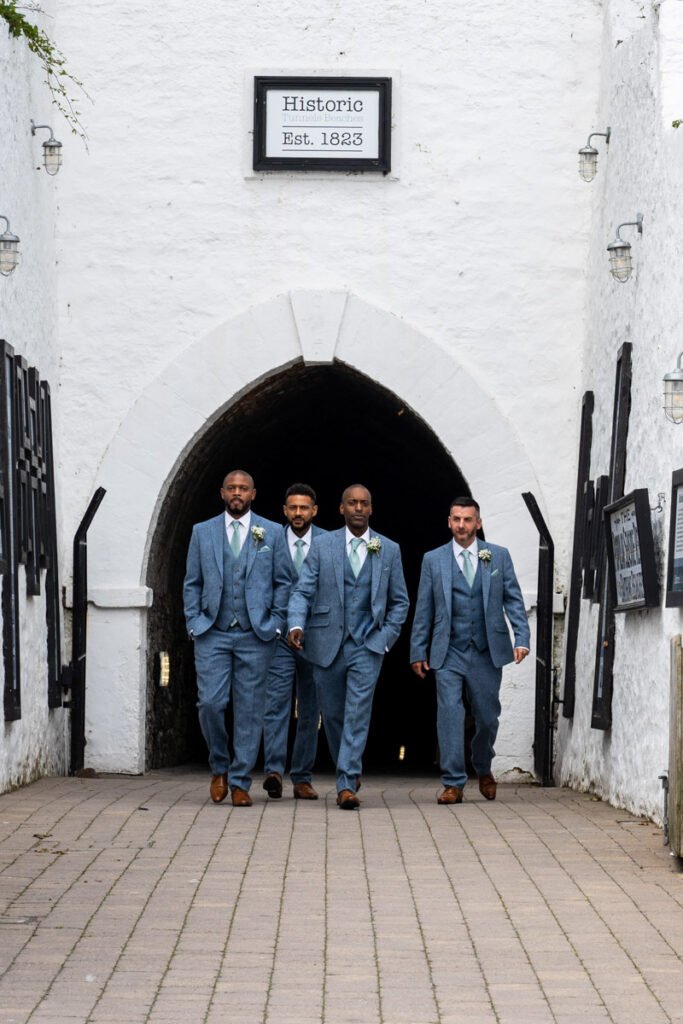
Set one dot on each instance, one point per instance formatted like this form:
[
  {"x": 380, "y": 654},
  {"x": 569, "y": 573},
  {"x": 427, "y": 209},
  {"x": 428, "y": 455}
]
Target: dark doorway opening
[{"x": 328, "y": 426}]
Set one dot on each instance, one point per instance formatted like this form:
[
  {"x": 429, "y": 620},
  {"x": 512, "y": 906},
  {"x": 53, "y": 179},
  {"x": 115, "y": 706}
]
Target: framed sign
[
  {"x": 324, "y": 124},
  {"x": 674, "y": 569},
  {"x": 630, "y": 552}
]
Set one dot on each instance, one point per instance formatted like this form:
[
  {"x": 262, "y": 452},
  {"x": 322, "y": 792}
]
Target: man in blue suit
[
  {"x": 289, "y": 666},
  {"x": 466, "y": 590},
  {"x": 346, "y": 612},
  {"x": 235, "y": 594}
]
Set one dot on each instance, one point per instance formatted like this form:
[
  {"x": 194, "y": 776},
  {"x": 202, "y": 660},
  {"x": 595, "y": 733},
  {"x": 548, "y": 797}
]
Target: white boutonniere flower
[
  {"x": 258, "y": 533},
  {"x": 485, "y": 554},
  {"x": 374, "y": 546}
]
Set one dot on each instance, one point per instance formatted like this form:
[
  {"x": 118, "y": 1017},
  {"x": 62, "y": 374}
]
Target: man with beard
[
  {"x": 235, "y": 597},
  {"x": 467, "y": 588},
  {"x": 345, "y": 613},
  {"x": 289, "y": 667}
]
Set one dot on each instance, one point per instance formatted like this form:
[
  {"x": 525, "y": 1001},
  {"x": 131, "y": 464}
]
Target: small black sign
[{"x": 322, "y": 124}]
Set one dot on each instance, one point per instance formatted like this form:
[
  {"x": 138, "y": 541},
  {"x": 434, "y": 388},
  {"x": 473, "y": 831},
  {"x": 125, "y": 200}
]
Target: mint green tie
[
  {"x": 467, "y": 567},
  {"x": 354, "y": 557},
  {"x": 299, "y": 555},
  {"x": 235, "y": 540}
]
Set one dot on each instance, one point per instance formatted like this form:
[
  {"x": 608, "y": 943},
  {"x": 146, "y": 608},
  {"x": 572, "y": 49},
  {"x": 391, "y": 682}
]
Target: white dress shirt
[
  {"x": 292, "y": 539},
  {"x": 362, "y": 550},
  {"x": 244, "y": 523},
  {"x": 473, "y": 550}
]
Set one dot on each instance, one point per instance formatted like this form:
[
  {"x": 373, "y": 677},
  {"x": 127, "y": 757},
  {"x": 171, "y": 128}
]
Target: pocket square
[
  {"x": 264, "y": 548},
  {"x": 495, "y": 572}
]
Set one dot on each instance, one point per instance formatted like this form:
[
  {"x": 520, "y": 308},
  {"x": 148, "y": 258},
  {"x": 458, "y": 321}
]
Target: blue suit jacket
[
  {"x": 317, "y": 600},
  {"x": 433, "y": 612},
  {"x": 269, "y": 576}
]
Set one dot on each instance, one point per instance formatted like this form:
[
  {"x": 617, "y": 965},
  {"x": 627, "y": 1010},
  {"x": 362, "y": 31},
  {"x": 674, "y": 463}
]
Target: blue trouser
[
  {"x": 345, "y": 692},
  {"x": 474, "y": 670},
  {"x": 232, "y": 665},
  {"x": 286, "y": 667}
]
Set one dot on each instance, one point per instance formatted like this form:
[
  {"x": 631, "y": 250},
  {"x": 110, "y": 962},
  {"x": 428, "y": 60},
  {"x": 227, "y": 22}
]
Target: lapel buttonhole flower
[
  {"x": 374, "y": 546},
  {"x": 485, "y": 555},
  {"x": 258, "y": 533}
]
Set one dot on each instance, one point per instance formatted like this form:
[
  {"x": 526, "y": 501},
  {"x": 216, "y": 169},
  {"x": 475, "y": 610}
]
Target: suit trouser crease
[
  {"x": 345, "y": 691},
  {"x": 474, "y": 672},
  {"x": 286, "y": 668},
  {"x": 232, "y": 665}
]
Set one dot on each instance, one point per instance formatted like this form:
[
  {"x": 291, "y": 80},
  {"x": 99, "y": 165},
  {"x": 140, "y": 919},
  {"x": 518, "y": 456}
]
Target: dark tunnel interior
[{"x": 328, "y": 426}]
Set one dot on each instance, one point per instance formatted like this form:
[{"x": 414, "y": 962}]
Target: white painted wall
[
  {"x": 476, "y": 243},
  {"x": 640, "y": 94},
  {"x": 35, "y": 744}
]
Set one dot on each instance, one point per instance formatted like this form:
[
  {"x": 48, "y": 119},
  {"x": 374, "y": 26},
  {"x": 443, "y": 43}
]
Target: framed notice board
[
  {"x": 316, "y": 123},
  {"x": 674, "y": 562},
  {"x": 630, "y": 552}
]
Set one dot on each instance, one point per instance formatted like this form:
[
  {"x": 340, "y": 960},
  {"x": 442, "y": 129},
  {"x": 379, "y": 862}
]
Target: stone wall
[
  {"x": 639, "y": 97},
  {"x": 36, "y": 743}
]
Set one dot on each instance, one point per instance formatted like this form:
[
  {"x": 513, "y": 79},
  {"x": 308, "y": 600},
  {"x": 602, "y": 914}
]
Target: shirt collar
[
  {"x": 473, "y": 548},
  {"x": 244, "y": 521},
  {"x": 292, "y": 537},
  {"x": 351, "y": 536}
]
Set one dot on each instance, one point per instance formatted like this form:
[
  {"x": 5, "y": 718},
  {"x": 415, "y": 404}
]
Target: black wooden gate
[{"x": 543, "y": 721}]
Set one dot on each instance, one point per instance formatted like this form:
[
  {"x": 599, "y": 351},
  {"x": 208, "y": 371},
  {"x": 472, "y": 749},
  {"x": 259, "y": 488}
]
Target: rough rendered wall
[
  {"x": 35, "y": 744},
  {"x": 640, "y": 95},
  {"x": 477, "y": 239}
]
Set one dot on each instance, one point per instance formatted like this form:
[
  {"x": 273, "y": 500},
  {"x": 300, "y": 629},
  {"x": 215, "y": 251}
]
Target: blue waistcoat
[
  {"x": 233, "y": 603},
  {"x": 468, "y": 624},
  {"x": 357, "y": 601}
]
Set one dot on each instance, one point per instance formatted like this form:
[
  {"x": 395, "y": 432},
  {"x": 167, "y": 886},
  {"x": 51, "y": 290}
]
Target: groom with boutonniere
[
  {"x": 235, "y": 598},
  {"x": 467, "y": 589},
  {"x": 345, "y": 613}
]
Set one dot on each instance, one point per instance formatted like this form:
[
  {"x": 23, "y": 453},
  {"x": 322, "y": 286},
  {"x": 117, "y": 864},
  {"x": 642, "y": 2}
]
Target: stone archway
[
  {"x": 170, "y": 419},
  {"x": 326, "y": 425}
]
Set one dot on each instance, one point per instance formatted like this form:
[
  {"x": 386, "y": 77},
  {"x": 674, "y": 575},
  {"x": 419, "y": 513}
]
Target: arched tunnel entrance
[{"x": 328, "y": 426}]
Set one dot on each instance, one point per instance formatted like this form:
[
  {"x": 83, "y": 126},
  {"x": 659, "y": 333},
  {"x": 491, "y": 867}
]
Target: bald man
[
  {"x": 235, "y": 597},
  {"x": 345, "y": 613}
]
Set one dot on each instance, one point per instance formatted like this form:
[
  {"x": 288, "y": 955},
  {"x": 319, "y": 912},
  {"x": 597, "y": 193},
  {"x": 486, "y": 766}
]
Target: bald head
[
  {"x": 238, "y": 492},
  {"x": 356, "y": 507}
]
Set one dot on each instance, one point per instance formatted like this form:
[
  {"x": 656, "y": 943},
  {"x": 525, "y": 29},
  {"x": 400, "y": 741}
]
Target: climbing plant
[{"x": 59, "y": 79}]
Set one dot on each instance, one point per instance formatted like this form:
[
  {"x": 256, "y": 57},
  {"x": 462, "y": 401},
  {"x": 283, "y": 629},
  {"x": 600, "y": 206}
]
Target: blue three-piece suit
[
  {"x": 461, "y": 631},
  {"x": 235, "y": 608},
  {"x": 349, "y": 623}
]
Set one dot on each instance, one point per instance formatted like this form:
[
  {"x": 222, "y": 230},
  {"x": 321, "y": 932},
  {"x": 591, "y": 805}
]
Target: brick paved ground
[{"x": 130, "y": 900}]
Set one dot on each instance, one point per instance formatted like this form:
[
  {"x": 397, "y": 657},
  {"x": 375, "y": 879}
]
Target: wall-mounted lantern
[
  {"x": 9, "y": 250},
  {"x": 620, "y": 262},
  {"x": 588, "y": 155},
  {"x": 673, "y": 393},
  {"x": 52, "y": 149}
]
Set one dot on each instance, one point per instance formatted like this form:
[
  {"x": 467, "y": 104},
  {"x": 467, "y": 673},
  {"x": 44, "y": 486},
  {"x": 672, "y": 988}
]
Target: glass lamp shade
[
  {"x": 52, "y": 156},
  {"x": 620, "y": 262},
  {"x": 588, "y": 162},
  {"x": 9, "y": 253},
  {"x": 673, "y": 393}
]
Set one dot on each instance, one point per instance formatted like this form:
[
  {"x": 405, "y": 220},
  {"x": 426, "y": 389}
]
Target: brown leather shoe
[
  {"x": 487, "y": 786},
  {"x": 347, "y": 800},
  {"x": 273, "y": 785},
  {"x": 218, "y": 788},
  {"x": 450, "y": 795},
  {"x": 304, "y": 791},
  {"x": 240, "y": 797}
]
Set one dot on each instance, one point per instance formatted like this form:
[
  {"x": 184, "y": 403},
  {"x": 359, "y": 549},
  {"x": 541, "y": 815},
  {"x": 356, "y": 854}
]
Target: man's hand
[
  {"x": 295, "y": 639},
  {"x": 520, "y": 654},
  {"x": 420, "y": 668}
]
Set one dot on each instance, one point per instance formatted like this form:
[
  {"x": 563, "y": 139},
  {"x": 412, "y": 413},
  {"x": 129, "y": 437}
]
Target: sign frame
[
  {"x": 262, "y": 161},
  {"x": 674, "y": 594},
  {"x": 643, "y": 558}
]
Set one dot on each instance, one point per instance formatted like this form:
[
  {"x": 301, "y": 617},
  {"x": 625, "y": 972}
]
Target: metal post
[
  {"x": 543, "y": 724},
  {"x": 75, "y": 675}
]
